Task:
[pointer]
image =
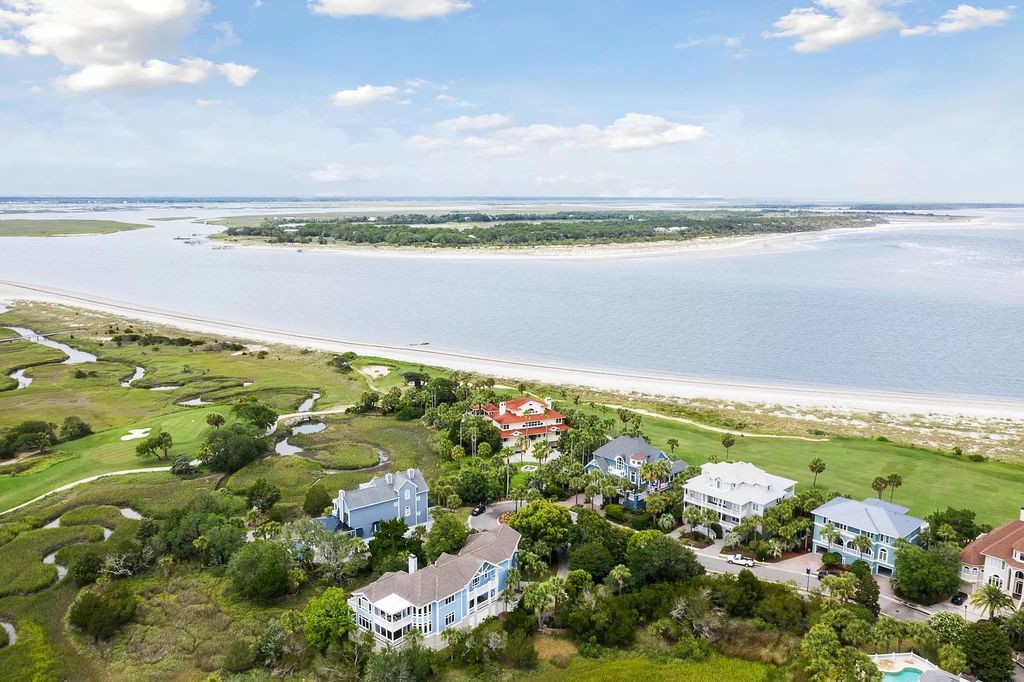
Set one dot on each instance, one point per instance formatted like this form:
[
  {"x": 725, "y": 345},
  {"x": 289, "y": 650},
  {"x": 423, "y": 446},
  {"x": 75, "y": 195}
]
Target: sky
[{"x": 856, "y": 100}]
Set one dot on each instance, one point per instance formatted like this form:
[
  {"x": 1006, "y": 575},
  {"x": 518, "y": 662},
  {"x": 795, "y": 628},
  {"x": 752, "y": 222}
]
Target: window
[
  {"x": 408, "y": 512},
  {"x": 996, "y": 580},
  {"x": 364, "y": 624},
  {"x": 449, "y": 619},
  {"x": 883, "y": 554},
  {"x": 407, "y": 493},
  {"x": 449, "y": 599}
]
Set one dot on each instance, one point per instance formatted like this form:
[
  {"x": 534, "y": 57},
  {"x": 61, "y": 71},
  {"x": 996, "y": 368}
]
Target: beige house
[{"x": 997, "y": 558}]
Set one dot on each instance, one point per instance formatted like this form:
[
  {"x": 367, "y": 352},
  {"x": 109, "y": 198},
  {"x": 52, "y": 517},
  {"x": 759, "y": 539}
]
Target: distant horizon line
[{"x": 758, "y": 201}]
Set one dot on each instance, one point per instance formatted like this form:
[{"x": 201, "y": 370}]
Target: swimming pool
[{"x": 905, "y": 675}]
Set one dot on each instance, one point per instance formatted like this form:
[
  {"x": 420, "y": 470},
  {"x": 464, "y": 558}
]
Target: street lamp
[{"x": 808, "y": 572}]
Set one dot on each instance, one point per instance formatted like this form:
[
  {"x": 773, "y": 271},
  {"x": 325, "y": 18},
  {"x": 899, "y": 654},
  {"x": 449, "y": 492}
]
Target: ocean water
[{"x": 921, "y": 309}]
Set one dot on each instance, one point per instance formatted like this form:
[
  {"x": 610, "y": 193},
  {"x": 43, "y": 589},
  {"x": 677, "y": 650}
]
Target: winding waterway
[{"x": 921, "y": 309}]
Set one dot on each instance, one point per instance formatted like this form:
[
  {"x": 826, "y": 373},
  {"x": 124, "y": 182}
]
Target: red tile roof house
[
  {"x": 528, "y": 417},
  {"x": 997, "y": 558}
]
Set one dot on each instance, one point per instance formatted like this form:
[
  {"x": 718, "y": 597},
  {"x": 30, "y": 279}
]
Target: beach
[{"x": 652, "y": 384}]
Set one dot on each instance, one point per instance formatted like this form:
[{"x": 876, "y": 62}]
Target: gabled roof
[
  {"x": 739, "y": 482},
  {"x": 379, "y": 490},
  {"x": 449, "y": 574},
  {"x": 999, "y": 544},
  {"x": 629, "y": 447},
  {"x": 872, "y": 515}
]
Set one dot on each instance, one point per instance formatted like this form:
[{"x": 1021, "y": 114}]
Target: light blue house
[
  {"x": 880, "y": 521},
  {"x": 623, "y": 457},
  {"x": 457, "y": 591},
  {"x": 359, "y": 512}
]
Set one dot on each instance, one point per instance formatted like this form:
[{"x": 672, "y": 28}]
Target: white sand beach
[{"x": 623, "y": 381}]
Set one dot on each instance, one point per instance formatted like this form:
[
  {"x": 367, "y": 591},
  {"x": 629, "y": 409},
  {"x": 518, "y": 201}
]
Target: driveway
[{"x": 489, "y": 519}]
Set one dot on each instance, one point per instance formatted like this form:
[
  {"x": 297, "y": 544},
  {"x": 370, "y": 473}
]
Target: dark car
[
  {"x": 959, "y": 598},
  {"x": 478, "y": 510}
]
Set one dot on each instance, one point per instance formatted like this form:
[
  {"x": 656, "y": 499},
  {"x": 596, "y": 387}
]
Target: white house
[
  {"x": 997, "y": 558},
  {"x": 736, "y": 490},
  {"x": 456, "y": 591}
]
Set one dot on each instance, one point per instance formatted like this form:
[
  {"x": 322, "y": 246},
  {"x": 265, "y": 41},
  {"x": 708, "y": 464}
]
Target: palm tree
[
  {"x": 521, "y": 445},
  {"x": 991, "y": 598},
  {"x": 863, "y": 544},
  {"x": 667, "y": 522},
  {"x": 829, "y": 534},
  {"x": 673, "y": 443},
  {"x": 879, "y": 485},
  {"x": 541, "y": 451},
  {"x": 164, "y": 442},
  {"x": 776, "y": 548},
  {"x": 656, "y": 504},
  {"x": 893, "y": 481},
  {"x": 620, "y": 575},
  {"x": 215, "y": 420},
  {"x": 817, "y": 466},
  {"x": 728, "y": 440}
]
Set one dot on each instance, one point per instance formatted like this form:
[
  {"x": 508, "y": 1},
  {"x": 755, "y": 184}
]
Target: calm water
[{"x": 937, "y": 310}]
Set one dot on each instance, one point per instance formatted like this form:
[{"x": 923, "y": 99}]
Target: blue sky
[{"x": 834, "y": 99}]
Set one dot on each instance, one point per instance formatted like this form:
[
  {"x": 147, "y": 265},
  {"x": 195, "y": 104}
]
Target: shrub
[
  {"x": 977, "y": 457},
  {"x": 561, "y": 661},
  {"x": 269, "y": 648},
  {"x": 182, "y": 466},
  {"x": 239, "y": 657},
  {"x": 692, "y": 649},
  {"x": 592, "y": 557},
  {"x": 860, "y": 568},
  {"x": 988, "y": 652},
  {"x": 831, "y": 559},
  {"x": 643, "y": 521},
  {"x": 716, "y": 530},
  {"x": 617, "y": 513},
  {"x": 74, "y": 427},
  {"x": 259, "y": 570},
  {"x": 86, "y": 568},
  {"x": 101, "y": 613},
  {"x": 519, "y": 650},
  {"x": 317, "y": 500},
  {"x": 950, "y": 627}
]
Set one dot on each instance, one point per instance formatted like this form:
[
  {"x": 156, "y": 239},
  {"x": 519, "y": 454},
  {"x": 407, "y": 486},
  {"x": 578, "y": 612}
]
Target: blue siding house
[
  {"x": 359, "y": 512},
  {"x": 623, "y": 457},
  {"x": 880, "y": 521},
  {"x": 456, "y": 591}
]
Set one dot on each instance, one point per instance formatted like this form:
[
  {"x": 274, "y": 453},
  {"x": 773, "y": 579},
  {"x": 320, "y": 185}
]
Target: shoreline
[
  {"x": 625, "y": 382},
  {"x": 702, "y": 247}
]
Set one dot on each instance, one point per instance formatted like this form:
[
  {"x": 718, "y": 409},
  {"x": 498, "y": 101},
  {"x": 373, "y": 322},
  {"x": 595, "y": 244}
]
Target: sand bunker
[
  {"x": 376, "y": 371},
  {"x": 135, "y": 434}
]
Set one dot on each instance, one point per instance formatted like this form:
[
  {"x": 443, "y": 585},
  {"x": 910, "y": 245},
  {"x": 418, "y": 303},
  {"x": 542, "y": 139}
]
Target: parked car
[
  {"x": 740, "y": 560},
  {"x": 826, "y": 571},
  {"x": 959, "y": 598},
  {"x": 478, "y": 510}
]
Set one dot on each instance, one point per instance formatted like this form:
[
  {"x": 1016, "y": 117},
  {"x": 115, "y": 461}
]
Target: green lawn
[
  {"x": 53, "y": 228},
  {"x": 715, "y": 669},
  {"x": 930, "y": 480}
]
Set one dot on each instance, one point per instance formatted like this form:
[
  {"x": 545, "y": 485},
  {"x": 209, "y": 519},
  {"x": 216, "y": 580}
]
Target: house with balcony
[
  {"x": 997, "y": 558},
  {"x": 359, "y": 512},
  {"x": 736, "y": 491},
  {"x": 530, "y": 418},
  {"x": 623, "y": 457},
  {"x": 457, "y": 591},
  {"x": 881, "y": 522}
]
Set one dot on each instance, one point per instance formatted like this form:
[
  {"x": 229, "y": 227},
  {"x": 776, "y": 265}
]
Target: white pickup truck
[{"x": 740, "y": 560}]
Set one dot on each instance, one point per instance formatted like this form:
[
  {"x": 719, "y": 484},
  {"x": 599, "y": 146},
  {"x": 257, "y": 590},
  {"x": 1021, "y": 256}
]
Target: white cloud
[
  {"x": 400, "y": 9},
  {"x": 481, "y": 122},
  {"x": 630, "y": 132},
  {"x": 228, "y": 37},
  {"x": 363, "y": 95},
  {"x": 454, "y": 101},
  {"x": 339, "y": 172},
  {"x": 112, "y": 43},
  {"x": 962, "y": 18},
  {"x": 155, "y": 72},
  {"x": 732, "y": 44},
  {"x": 9, "y": 47},
  {"x": 641, "y": 131},
  {"x": 837, "y": 22},
  {"x": 207, "y": 103}
]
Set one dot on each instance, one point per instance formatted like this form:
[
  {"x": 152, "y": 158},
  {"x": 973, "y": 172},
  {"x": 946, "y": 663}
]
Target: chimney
[
  {"x": 388, "y": 478},
  {"x": 501, "y": 408},
  {"x": 412, "y": 564},
  {"x": 547, "y": 401},
  {"x": 1022, "y": 513},
  {"x": 409, "y": 473}
]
